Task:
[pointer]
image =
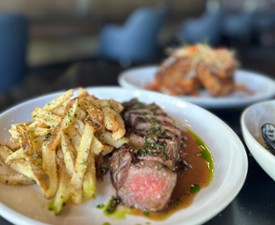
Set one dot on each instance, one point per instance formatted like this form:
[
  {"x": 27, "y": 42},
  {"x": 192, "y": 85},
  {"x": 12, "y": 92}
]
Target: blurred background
[{"x": 42, "y": 43}]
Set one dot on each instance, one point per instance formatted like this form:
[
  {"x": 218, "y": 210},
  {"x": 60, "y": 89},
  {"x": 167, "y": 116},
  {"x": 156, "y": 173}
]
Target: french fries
[{"x": 59, "y": 148}]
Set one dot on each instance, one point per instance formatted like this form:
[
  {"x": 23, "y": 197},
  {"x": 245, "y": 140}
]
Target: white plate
[
  {"x": 26, "y": 205},
  {"x": 262, "y": 86}
]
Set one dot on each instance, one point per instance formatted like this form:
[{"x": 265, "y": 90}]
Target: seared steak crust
[
  {"x": 144, "y": 171},
  {"x": 152, "y": 132}
]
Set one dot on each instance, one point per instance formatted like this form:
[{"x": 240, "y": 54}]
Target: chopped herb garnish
[
  {"x": 112, "y": 204},
  {"x": 154, "y": 120},
  {"x": 195, "y": 188},
  {"x": 104, "y": 167},
  {"x": 48, "y": 135},
  {"x": 152, "y": 147},
  {"x": 106, "y": 223},
  {"x": 100, "y": 206},
  {"x": 84, "y": 162},
  {"x": 139, "y": 105},
  {"x": 146, "y": 212}
]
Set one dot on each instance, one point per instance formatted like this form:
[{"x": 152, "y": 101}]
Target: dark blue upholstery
[
  {"x": 206, "y": 28},
  {"x": 13, "y": 44},
  {"x": 264, "y": 22},
  {"x": 136, "y": 40},
  {"x": 238, "y": 25}
]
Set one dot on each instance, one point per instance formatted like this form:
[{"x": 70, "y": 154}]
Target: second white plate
[{"x": 263, "y": 88}]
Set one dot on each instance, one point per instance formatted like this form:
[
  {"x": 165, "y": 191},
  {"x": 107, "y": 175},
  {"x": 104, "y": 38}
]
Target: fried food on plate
[
  {"x": 59, "y": 148},
  {"x": 192, "y": 67}
]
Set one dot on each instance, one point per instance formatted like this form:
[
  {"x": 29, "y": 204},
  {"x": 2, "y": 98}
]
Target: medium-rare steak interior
[{"x": 144, "y": 171}]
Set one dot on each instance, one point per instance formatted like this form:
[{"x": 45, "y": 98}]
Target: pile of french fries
[{"x": 58, "y": 149}]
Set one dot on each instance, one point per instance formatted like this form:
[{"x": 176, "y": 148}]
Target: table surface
[{"x": 255, "y": 203}]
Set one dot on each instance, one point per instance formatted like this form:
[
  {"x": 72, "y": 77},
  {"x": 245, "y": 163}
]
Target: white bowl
[{"x": 252, "y": 119}]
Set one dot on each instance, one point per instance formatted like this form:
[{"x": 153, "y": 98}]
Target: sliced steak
[
  {"x": 144, "y": 171},
  {"x": 152, "y": 132}
]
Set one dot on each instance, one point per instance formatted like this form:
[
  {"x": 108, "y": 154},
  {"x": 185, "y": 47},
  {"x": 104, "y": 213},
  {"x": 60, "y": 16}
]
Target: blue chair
[
  {"x": 263, "y": 27},
  {"x": 238, "y": 26},
  {"x": 206, "y": 28},
  {"x": 264, "y": 22},
  {"x": 136, "y": 40},
  {"x": 13, "y": 45}
]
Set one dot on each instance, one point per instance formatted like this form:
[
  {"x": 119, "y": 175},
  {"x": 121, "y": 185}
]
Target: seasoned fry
[
  {"x": 38, "y": 128},
  {"x": 63, "y": 192},
  {"x": 113, "y": 122},
  {"x": 68, "y": 152},
  {"x": 107, "y": 149},
  {"x": 89, "y": 182},
  {"x": 81, "y": 164},
  {"x": 82, "y": 92},
  {"x": 107, "y": 138},
  {"x": 46, "y": 117},
  {"x": 49, "y": 161},
  {"x": 50, "y": 166},
  {"x": 59, "y": 101},
  {"x": 95, "y": 114},
  {"x": 69, "y": 114},
  {"x": 14, "y": 131},
  {"x": 15, "y": 179},
  {"x": 79, "y": 127},
  {"x": 19, "y": 154},
  {"x": 32, "y": 157},
  {"x": 96, "y": 146},
  {"x": 59, "y": 148},
  {"x": 22, "y": 167},
  {"x": 74, "y": 136},
  {"x": 40, "y": 131}
]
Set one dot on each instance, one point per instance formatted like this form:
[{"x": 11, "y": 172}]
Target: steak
[{"x": 143, "y": 171}]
